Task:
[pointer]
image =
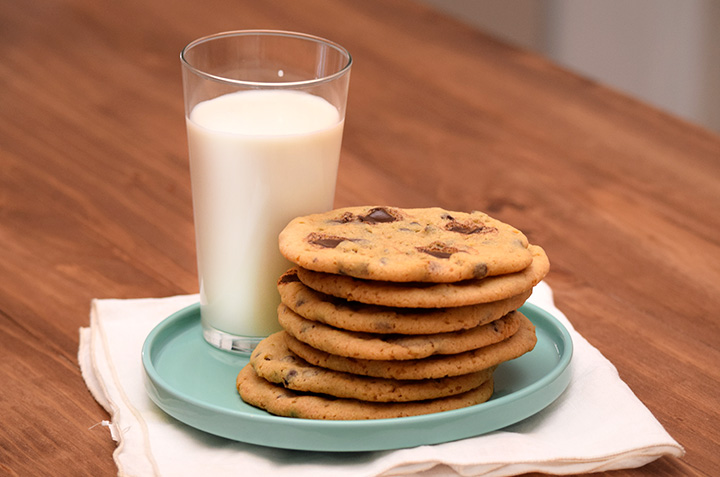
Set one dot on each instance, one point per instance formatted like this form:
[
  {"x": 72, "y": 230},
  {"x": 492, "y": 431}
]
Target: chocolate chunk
[
  {"x": 378, "y": 215},
  {"x": 480, "y": 271},
  {"x": 438, "y": 250},
  {"x": 289, "y": 277},
  {"x": 289, "y": 376},
  {"x": 325, "y": 241}
]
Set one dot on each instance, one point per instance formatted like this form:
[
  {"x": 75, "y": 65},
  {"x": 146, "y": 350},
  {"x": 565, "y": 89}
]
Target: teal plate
[{"x": 195, "y": 383}]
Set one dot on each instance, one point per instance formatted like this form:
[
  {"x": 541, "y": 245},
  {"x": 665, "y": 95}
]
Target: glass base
[{"x": 230, "y": 342}]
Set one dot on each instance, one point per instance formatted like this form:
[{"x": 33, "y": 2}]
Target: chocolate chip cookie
[
  {"x": 356, "y": 316},
  {"x": 352, "y": 344},
  {"x": 405, "y": 245},
  {"x": 274, "y": 362},
  {"x": 429, "y": 295},
  {"x": 427, "y": 368},
  {"x": 281, "y": 401}
]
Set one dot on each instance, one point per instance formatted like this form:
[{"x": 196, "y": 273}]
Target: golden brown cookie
[
  {"x": 427, "y": 368},
  {"x": 278, "y": 400},
  {"x": 274, "y": 362},
  {"x": 352, "y": 344},
  {"x": 356, "y": 316},
  {"x": 429, "y": 295},
  {"x": 405, "y": 245}
]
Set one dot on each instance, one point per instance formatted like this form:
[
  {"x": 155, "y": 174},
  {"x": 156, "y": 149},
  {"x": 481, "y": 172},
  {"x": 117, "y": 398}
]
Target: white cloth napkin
[{"x": 598, "y": 424}]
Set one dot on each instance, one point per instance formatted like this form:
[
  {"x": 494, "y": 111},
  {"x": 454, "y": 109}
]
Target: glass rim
[{"x": 266, "y": 84}]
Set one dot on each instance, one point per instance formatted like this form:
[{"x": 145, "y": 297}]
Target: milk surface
[{"x": 257, "y": 159}]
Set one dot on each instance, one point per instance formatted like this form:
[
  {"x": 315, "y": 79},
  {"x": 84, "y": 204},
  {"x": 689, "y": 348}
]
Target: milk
[{"x": 257, "y": 160}]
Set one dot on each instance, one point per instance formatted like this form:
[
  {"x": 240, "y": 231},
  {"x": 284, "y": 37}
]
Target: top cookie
[{"x": 405, "y": 245}]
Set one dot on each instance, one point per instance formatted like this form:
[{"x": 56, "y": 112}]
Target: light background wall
[{"x": 663, "y": 52}]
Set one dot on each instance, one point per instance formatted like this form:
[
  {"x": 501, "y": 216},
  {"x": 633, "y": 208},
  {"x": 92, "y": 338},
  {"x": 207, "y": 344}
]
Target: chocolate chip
[
  {"x": 480, "y": 271},
  {"x": 325, "y": 241},
  {"x": 289, "y": 277},
  {"x": 438, "y": 250},
  {"x": 378, "y": 215}
]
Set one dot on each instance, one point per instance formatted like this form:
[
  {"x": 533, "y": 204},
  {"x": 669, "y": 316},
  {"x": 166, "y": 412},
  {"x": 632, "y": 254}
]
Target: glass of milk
[{"x": 264, "y": 113}]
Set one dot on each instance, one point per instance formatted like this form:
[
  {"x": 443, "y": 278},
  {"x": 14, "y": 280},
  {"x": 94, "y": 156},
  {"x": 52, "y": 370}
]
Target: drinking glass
[{"x": 264, "y": 112}]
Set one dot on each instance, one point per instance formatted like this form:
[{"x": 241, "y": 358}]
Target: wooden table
[{"x": 95, "y": 198}]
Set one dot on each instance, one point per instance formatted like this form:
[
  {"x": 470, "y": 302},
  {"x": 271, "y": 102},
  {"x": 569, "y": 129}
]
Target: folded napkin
[{"x": 597, "y": 424}]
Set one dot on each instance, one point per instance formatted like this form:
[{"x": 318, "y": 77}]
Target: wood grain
[{"x": 95, "y": 198}]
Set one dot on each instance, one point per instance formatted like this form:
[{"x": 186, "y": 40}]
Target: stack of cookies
[{"x": 393, "y": 312}]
